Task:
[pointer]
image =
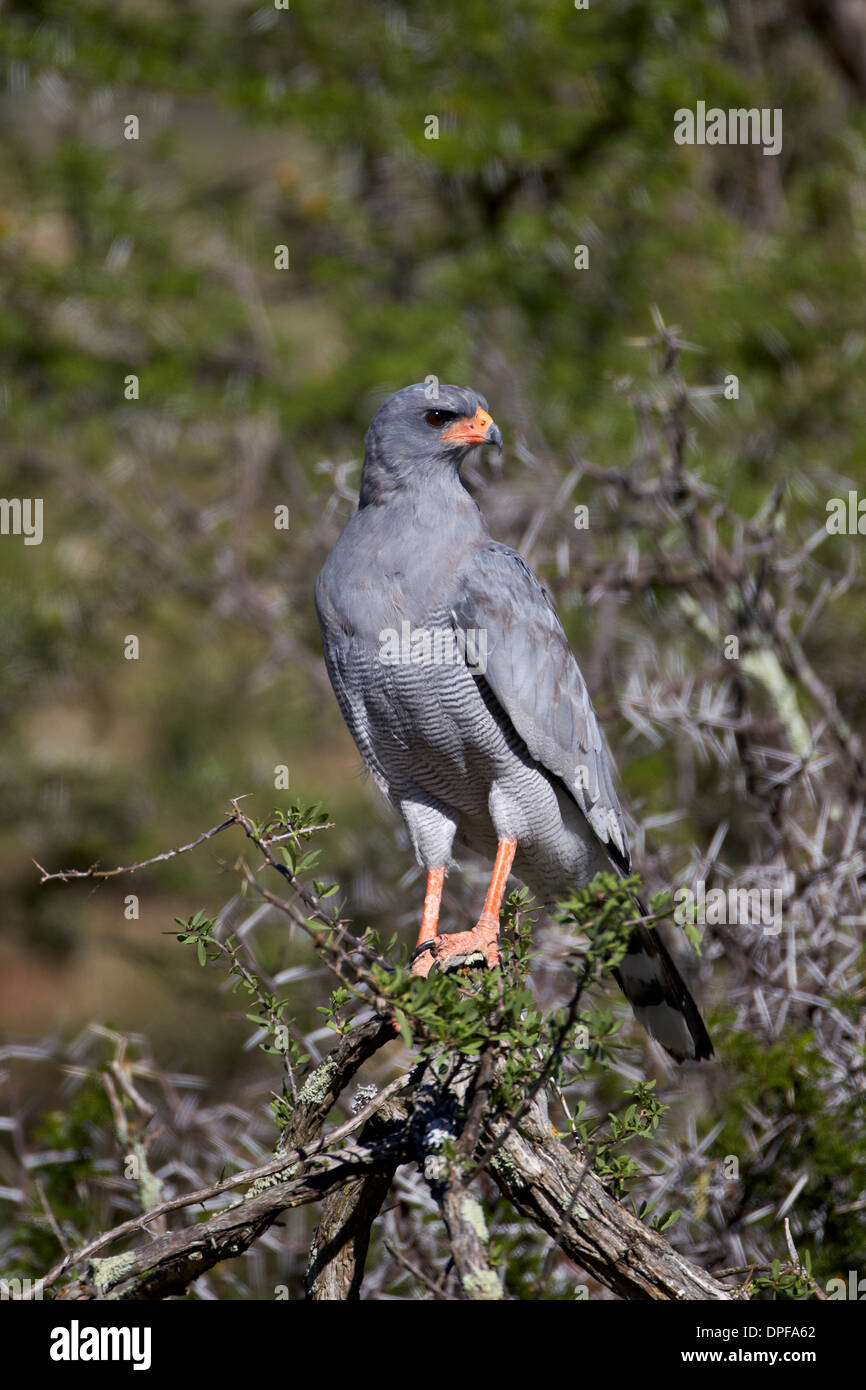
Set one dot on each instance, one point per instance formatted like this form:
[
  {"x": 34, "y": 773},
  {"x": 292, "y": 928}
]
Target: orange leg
[
  {"x": 429, "y": 920},
  {"x": 455, "y": 948}
]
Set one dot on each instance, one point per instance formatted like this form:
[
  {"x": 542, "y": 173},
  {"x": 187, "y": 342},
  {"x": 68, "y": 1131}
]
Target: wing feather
[{"x": 534, "y": 676}]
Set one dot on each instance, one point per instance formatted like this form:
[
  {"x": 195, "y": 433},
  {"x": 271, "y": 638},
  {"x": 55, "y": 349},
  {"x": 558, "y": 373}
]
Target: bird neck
[
  {"x": 426, "y": 516},
  {"x": 413, "y": 479}
]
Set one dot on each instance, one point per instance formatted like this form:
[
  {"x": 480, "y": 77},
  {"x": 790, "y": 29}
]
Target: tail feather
[{"x": 658, "y": 994}]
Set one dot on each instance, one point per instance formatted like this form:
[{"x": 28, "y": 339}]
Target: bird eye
[{"x": 437, "y": 418}]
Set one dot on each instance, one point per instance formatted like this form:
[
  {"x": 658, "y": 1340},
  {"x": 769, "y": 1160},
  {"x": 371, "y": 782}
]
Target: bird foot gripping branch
[{"x": 451, "y": 950}]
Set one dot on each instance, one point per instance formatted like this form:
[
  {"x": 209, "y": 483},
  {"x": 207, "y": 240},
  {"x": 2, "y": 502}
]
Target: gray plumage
[{"x": 458, "y": 685}]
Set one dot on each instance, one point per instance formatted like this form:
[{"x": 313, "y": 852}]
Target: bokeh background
[{"x": 408, "y": 256}]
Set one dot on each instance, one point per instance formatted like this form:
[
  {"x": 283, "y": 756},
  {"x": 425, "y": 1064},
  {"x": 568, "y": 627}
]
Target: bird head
[{"x": 420, "y": 432}]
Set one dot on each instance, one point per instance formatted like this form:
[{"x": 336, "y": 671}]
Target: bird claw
[
  {"x": 451, "y": 951},
  {"x": 421, "y": 958}
]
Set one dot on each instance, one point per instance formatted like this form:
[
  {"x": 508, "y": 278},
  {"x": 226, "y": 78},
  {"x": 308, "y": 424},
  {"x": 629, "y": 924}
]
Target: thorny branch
[{"x": 444, "y": 1123}]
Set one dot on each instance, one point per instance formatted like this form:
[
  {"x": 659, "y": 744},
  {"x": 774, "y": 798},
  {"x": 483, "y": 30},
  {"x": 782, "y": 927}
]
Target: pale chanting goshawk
[{"x": 466, "y": 702}]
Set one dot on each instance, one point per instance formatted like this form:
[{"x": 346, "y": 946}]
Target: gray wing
[
  {"x": 344, "y": 663},
  {"x": 533, "y": 674}
]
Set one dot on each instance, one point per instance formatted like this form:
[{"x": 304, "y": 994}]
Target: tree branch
[
  {"x": 342, "y": 1237},
  {"x": 179, "y": 1253},
  {"x": 558, "y": 1192}
]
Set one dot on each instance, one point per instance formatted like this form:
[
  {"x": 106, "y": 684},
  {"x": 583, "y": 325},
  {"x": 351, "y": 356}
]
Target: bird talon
[{"x": 458, "y": 949}]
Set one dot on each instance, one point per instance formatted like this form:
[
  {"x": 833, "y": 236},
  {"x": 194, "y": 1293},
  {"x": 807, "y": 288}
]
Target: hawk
[{"x": 458, "y": 685}]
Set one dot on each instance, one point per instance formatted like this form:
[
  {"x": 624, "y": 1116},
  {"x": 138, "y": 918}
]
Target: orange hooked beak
[{"x": 479, "y": 428}]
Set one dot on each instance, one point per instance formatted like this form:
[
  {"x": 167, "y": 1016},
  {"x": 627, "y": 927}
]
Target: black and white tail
[{"x": 661, "y": 1001}]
